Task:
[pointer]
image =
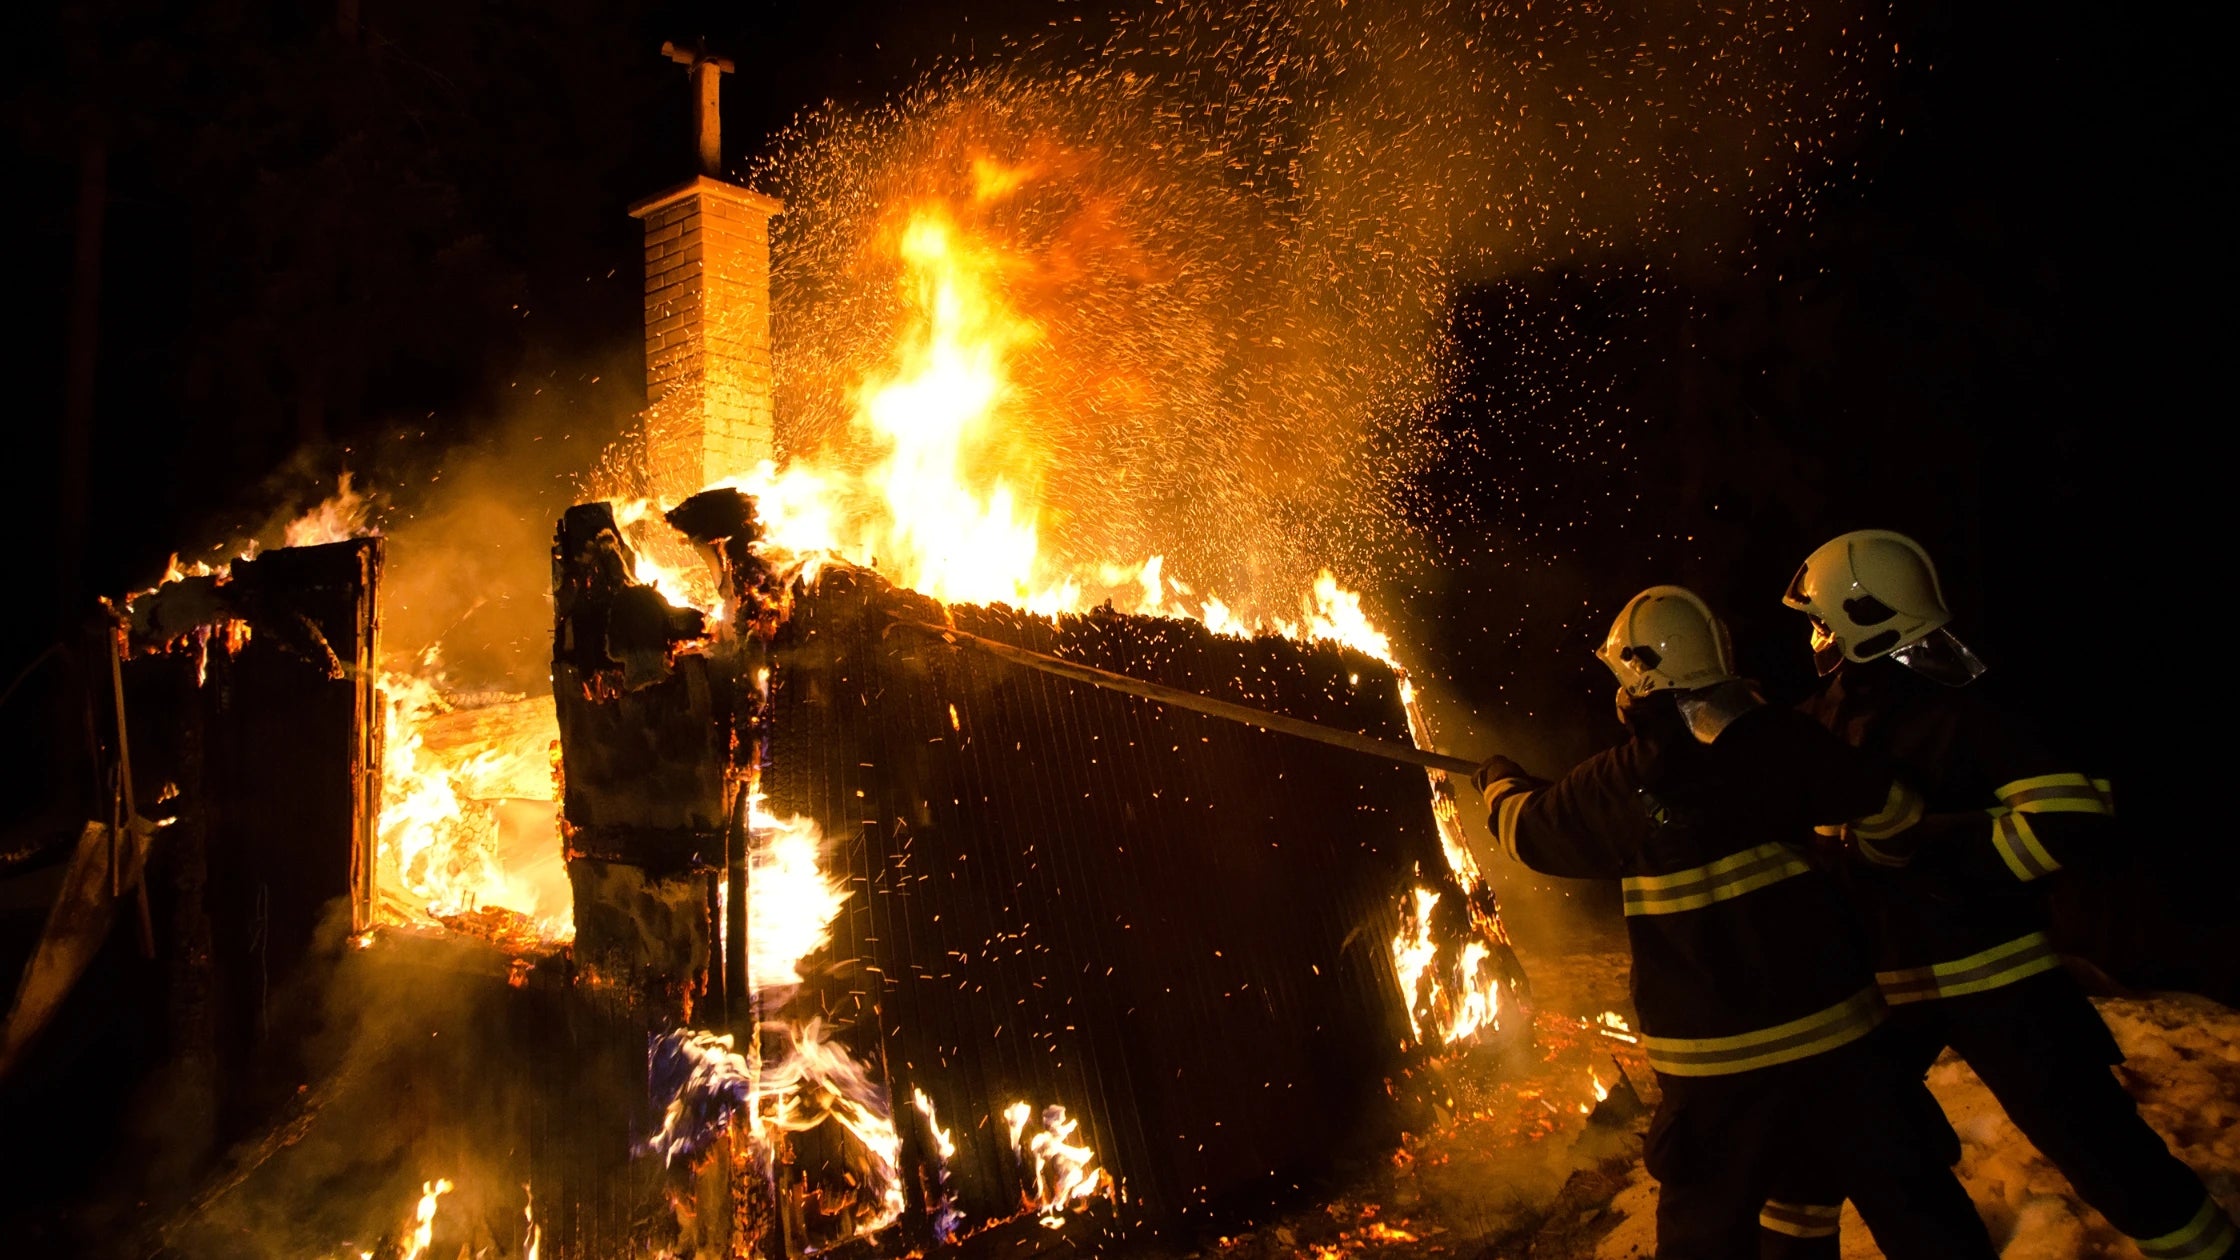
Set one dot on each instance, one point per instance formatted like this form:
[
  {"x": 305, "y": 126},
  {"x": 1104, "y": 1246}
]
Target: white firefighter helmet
[
  {"x": 1667, "y": 638},
  {"x": 1869, "y": 592}
]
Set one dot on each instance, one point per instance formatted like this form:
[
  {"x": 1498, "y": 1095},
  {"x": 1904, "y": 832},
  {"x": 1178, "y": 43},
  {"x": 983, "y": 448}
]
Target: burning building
[
  {"x": 889, "y": 932},
  {"x": 1110, "y": 950},
  {"x": 1106, "y": 947}
]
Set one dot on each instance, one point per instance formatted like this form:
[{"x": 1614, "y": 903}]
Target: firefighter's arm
[
  {"x": 1893, "y": 833},
  {"x": 2041, "y": 824},
  {"x": 1854, "y": 794},
  {"x": 1546, "y": 825},
  {"x": 2041, "y": 815}
]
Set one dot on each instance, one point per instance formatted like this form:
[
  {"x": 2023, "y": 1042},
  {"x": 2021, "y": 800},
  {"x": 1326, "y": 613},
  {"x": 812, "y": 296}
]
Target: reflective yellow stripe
[
  {"x": 2017, "y": 843},
  {"x": 1900, "y": 811},
  {"x": 1801, "y": 1220},
  {"x": 2000, "y": 965},
  {"x": 1817, "y": 1033},
  {"x": 1700, "y": 886},
  {"x": 2057, "y": 794},
  {"x": 1876, "y": 855},
  {"x": 2207, "y": 1234},
  {"x": 1505, "y": 813}
]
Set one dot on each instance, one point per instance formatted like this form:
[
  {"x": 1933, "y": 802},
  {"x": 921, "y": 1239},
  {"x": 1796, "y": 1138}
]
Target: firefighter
[
  {"x": 1756, "y": 997},
  {"x": 1954, "y": 904}
]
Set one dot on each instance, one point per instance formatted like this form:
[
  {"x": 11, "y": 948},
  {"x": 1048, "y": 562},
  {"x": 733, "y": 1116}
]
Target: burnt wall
[{"x": 1177, "y": 927}]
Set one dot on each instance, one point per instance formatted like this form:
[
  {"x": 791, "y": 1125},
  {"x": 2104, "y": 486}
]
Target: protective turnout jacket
[
  {"x": 1952, "y": 902},
  {"x": 1745, "y": 954}
]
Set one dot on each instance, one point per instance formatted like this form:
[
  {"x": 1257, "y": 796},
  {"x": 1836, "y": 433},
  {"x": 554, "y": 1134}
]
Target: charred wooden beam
[{"x": 645, "y": 733}]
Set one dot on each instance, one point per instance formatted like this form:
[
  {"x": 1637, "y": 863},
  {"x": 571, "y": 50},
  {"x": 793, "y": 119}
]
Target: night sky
[{"x": 348, "y": 237}]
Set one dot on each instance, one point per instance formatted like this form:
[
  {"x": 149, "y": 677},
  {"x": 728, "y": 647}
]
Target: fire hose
[{"x": 1429, "y": 758}]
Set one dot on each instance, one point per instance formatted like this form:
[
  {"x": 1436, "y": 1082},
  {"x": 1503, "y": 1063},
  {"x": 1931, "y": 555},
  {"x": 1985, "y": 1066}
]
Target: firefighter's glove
[{"x": 1492, "y": 773}]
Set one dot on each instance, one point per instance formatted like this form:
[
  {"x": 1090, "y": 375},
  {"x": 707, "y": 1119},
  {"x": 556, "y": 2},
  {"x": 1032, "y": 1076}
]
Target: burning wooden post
[{"x": 654, "y": 798}]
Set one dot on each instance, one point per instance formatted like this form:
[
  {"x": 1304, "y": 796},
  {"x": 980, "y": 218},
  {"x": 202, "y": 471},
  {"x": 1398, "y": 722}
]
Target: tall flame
[
  {"x": 424, "y": 1217},
  {"x": 791, "y": 901},
  {"x": 703, "y": 1083},
  {"x": 954, "y": 525},
  {"x": 532, "y": 1240},
  {"x": 942, "y": 1204},
  {"x": 949, "y": 500}
]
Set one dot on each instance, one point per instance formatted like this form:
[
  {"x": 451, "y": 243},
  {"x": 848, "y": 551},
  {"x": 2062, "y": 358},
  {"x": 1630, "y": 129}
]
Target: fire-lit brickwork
[{"x": 708, "y": 401}]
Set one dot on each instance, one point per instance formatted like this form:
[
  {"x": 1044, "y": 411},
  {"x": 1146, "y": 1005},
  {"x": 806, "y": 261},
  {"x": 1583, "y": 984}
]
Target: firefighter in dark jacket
[
  {"x": 1756, "y": 997},
  {"x": 1953, "y": 903}
]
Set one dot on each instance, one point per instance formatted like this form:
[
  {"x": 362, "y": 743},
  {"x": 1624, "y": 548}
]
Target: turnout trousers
[
  {"x": 2042, "y": 1050},
  {"x": 1720, "y": 1147}
]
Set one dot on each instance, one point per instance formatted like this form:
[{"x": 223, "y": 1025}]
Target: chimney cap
[{"x": 710, "y": 186}]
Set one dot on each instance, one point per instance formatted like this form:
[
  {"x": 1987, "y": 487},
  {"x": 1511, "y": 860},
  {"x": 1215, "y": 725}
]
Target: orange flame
[
  {"x": 533, "y": 1240},
  {"x": 424, "y": 1217},
  {"x": 439, "y": 851},
  {"x": 342, "y": 516},
  {"x": 1614, "y": 1026},
  {"x": 1060, "y": 1168},
  {"x": 819, "y": 1081},
  {"x": 791, "y": 901},
  {"x": 1456, "y": 1001},
  {"x": 941, "y": 1139},
  {"x": 949, "y": 503}
]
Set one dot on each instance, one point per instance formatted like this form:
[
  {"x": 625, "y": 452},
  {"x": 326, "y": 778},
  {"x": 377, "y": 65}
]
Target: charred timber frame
[
  {"x": 1179, "y": 927},
  {"x": 254, "y": 724}
]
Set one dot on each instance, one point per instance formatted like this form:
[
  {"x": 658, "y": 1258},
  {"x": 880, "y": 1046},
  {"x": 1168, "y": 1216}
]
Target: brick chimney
[{"x": 708, "y": 401}]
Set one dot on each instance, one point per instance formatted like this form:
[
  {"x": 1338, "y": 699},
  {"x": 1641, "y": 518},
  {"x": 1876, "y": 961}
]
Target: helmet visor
[{"x": 1942, "y": 658}]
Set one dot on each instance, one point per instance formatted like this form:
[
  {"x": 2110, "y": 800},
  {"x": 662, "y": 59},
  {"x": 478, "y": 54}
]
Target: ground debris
[{"x": 1505, "y": 1162}]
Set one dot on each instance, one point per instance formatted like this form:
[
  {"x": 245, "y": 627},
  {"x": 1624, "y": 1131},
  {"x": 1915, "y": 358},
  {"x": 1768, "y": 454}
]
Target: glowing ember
[
  {"x": 1614, "y": 1026},
  {"x": 1351, "y": 1242},
  {"x": 1058, "y": 1169},
  {"x": 1444, "y": 812}
]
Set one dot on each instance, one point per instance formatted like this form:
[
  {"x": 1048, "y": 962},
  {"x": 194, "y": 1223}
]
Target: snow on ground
[
  {"x": 2182, "y": 1062},
  {"x": 1506, "y": 1167}
]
